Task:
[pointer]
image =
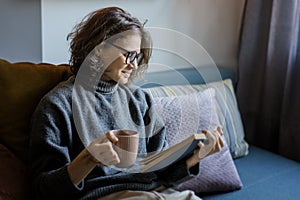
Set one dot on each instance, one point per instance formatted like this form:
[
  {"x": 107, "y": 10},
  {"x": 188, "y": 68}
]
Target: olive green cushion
[
  {"x": 14, "y": 177},
  {"x": 22, "y": 86}
]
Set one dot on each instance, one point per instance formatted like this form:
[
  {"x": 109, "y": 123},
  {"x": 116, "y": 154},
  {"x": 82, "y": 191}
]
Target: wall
[
  {"x": 36, "y": 30},
  {"x": 214, "y": 24},
  {"x": 20, "y": 30}
]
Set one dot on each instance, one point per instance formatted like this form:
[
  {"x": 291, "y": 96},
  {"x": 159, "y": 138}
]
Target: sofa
[{"x": 240, "y": 171}]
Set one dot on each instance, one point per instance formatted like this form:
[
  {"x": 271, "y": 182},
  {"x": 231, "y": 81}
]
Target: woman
[{"x": 72, "y": 150}]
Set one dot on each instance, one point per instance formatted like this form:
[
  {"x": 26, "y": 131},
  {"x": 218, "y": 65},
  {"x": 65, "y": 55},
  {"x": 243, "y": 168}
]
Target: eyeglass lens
[{"x": 131, "y": 56}]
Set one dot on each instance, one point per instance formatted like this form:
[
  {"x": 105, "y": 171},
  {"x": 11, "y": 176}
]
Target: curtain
[{"x": 268, "y": 88}]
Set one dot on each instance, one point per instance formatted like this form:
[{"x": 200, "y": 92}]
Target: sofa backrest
[{"x": 22, "y": 85}]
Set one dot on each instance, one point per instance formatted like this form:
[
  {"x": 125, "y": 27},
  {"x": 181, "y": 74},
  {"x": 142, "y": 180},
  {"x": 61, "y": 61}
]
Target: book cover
[{"x": 175, "y": 153}]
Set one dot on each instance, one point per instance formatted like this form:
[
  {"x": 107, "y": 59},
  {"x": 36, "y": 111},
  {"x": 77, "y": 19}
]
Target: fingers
[
  {"x": 217, "y": 148},
  {"x": 200, "y": 144},
  {"x": 111, "y": 136},
  {"x": 215, "y": 142},
  {"x": 100, "y": 139},
  {"x": 221, "y": 141},
  {"x": 218, "y": 132},
  {"x": 104, "y": 153},
  {"x": 102, "y": 149},
  {"x": 211, "y": 136},
  {"x": 214, "y": 145},
  {"x": 108, "y": 136},
  {"x": 219, "y": 129}
]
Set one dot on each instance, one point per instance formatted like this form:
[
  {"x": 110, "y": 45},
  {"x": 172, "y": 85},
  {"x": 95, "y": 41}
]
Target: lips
[{"x": 126, "y": 74}]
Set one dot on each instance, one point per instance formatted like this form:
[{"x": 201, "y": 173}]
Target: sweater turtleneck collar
[{"x": 106, "y": 86}]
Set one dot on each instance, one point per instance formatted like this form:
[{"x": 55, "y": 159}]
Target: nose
[{"x": 133, "y": 65}]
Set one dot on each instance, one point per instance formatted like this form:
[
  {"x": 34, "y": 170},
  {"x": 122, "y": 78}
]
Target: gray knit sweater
[{"x": 66, "y": 121}]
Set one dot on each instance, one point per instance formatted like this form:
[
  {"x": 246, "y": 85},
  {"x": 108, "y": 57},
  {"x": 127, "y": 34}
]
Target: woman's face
[{"x": 118, "y": 70}]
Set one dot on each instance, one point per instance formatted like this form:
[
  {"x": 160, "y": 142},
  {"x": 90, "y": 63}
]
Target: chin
[{"x": 123, "y": 81}]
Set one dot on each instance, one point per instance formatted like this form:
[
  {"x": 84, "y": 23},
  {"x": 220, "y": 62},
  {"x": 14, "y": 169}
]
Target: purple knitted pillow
[{"x": 188, "y": 114}]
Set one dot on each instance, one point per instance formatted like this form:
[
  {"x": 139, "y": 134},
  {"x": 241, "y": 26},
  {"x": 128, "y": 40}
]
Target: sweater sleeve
[
  {"x": 49, "y": 150},
  {"x": 155, "y": 127},
  {"x": 177, "y": 173}
]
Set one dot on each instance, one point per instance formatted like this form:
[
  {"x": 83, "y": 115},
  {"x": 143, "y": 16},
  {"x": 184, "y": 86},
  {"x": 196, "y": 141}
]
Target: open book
[{"x": 175, "y": 153}]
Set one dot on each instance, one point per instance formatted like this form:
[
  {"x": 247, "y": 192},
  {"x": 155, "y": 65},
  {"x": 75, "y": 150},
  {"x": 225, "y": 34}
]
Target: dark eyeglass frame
[{"x": 130, "y": 55}]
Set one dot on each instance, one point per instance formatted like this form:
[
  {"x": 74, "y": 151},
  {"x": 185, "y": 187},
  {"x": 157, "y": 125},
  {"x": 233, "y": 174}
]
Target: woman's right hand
[
  {"x": 99, "y": 151},
  {"x": 102, "y": 151}
]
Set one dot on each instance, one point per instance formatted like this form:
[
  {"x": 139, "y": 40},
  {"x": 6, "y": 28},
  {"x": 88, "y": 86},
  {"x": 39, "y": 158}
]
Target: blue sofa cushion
[{"x": 265, "y": 175}]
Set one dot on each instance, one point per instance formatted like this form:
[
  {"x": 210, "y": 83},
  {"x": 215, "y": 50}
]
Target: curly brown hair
[{"x": 99, "y": 26}]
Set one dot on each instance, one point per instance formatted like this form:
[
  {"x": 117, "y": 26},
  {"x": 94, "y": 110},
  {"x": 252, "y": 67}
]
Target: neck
[{"x": 106, "y": 86}]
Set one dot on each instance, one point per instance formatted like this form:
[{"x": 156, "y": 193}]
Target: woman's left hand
[{"x": 214, "y": 145}]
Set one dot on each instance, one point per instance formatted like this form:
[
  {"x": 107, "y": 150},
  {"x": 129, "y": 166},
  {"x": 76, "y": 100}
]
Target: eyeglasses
[{"x": 130, "y": 55}]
